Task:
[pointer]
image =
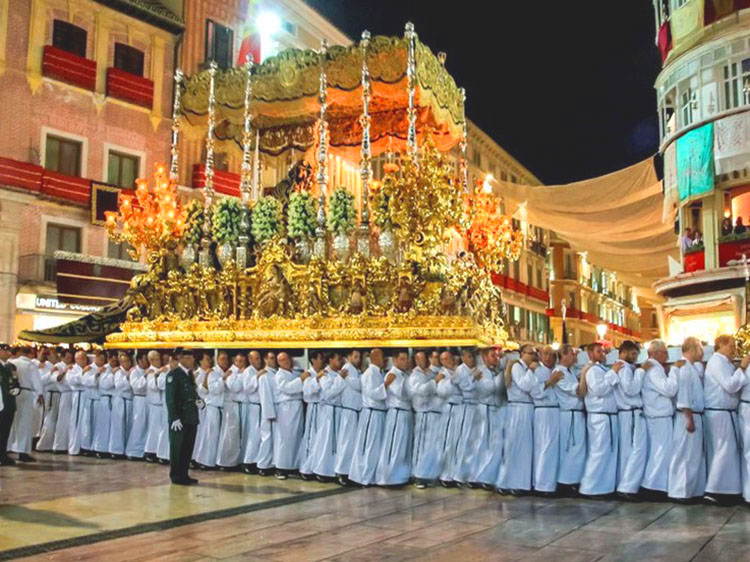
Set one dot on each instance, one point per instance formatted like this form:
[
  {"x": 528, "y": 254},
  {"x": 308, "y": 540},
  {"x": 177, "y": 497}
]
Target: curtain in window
[
  {"x": 732, "y": 143},
  {"x": 686, "y": 20},
  {"x": 695, "y": 163}
]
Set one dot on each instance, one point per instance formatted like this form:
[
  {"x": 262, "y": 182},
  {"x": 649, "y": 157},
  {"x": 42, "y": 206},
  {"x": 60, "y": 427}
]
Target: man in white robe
[
  {"x": 122, "y": 407},
  {"x": 326, "y": 440},
  {"x": 155, "y": 405},
  {"x": 743, "y": 418},
  {"x": 42, "y": 363},
  {"x": 211, "y": 391},
  {"x": 311, "y": 397},
  {"x": 136, "y": 442},
  {"x": 103, "y": 409},
  {"x": 491, "y": 428},
  {"x": 687, "y": 468},
  {"x": 251, "y": 415},
  {"x": 348, "y": 414},
  {"x": 600, "y": 473},
  {"x": 394, "y": 464},
  {"x": 658, "y": 391},
  {"x": 452, "y": 414},
  {"x": 90, "y": 380},
  {"x": 465, "y": 382},
  {"x": 722, "y": 383},
  {"x": 47, "y": 362},
  {"x": 230, "y": 439},
  {"x": 288, "y": 425},
  {"x": 369, "y": 439},
  {"x": 170, "y": 361},
  {"x": 74, "y": 380},
  {"x": 267, "y": 395},
  {"x": 429, "y": 421},
  {"x": 572, "y": 424},
  {"x": 633, "y": 449},
  {"x": 546, "y": 423},
  {"x": 29, "y": 397},
  {"x": 62, "y": 434},
  {"x": 515, "y": 475}
]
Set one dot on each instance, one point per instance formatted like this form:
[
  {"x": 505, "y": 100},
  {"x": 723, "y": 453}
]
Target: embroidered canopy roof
[{"x": 285, "y": 99}]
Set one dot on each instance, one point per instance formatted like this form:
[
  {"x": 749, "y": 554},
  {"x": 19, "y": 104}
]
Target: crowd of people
[{"x": 549, "y": 421}]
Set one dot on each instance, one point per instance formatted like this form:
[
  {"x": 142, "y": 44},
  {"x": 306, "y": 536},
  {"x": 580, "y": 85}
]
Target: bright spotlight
[{"x": 268, "y": 23}]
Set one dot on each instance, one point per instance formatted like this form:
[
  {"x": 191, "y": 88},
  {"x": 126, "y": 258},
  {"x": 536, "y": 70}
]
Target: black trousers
[
  {"x": 181, "y": 445},
  {"x": 6, "y": 422}
]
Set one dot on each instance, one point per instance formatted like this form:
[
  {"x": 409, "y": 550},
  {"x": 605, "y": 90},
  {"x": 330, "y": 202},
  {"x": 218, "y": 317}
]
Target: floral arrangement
[
  {"x": 301, "y": 221},
  {"x": 267, "y": 218},
  {"x": 226, "y": 223},
  {"x": 342, "y": 215},
  {"x": 193, "y": 223},
  {"x": 380, "y": 203}
]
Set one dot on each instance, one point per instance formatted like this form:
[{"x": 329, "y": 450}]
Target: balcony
[
  {"x": 34, "y": 178},
  {"x": 511, "y": 284},
  {"x": 37, "y": 268},
  {"x": 67, "y": 67},
  {"x": 130, "y": 87},
  {"x": 226, "y": 183}
]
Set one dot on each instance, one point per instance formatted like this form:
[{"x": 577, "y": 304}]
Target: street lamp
[{"x": 601, "y": 329}]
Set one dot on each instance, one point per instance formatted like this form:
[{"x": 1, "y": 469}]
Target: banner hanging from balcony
[
  {"x": 670, "y": 183},
  {"x": 686, "y": 20},
  {"x": 731, "y": 143},
  {"x": 695, "y": 163}
]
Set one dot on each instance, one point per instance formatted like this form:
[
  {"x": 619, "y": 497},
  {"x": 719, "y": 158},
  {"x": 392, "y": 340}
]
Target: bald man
[
  {"x": 546, "y": 423},
  {"x": 490, "y": 422},
  {"x": 311, "y": 397},
  {"x": 371, "y": 425},
  {"x": 289, "y": 423},
  {"x": 155, "y": 405},
  {"x": 74, "y": 379},
  {"x": 267, "y": 393},
  {"x": 251, "y": 414}
]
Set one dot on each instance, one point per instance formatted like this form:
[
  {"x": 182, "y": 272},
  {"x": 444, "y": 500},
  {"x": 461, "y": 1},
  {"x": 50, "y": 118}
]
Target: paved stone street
[{"x": 63, "y": 508}]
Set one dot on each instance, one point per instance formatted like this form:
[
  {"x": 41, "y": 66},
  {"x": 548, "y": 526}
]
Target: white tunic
[
  {"x": 464, "y": 460},
  {"x": 155, "y": 411},
  {"x": 452, "y": 414},
  {"x": 687, "y": 468},
  {"x": 658, "y": 391},
  {"x": 62, "y": 427},
  {"x": 230, "y": 441},
  {"x": 351, "y": 404},
  {"x": 633, "y": 449},
  {"x": 122, "y": 412},
  {"x": 267, "y": 393},
  {"x": 370, "y": 428},
  {"x": 199, "y": 376},
  {"x": 103, "y": 411},
  {"x": 600, "y": 472},
  {"x": 722, "y": 382},
  {"x": 162, "y": 447},
  {"x": 40, "y": 411},
  {"x": 311, "y": 397},
  {"x": 90, "y": 381},
  {"x": 572, "y": 429},
  {"x": 251, "y": 418},
  {"x": 74, "y": 380},
  {"x": 289, "y": 423},
  {"x": 30, "y": 381},
  {"x": 515, "y": 468},
  {"x": 546, "y": 432},
  {"x": 394, "y": 464},
  {"x": 326, "y": 440},
  {"x": 491, "y": 428},
  {"x": 208, "y": 446},
  {"x": 51, "y": 405},
  {"x": 429, "y": 425},
  {"x": 743, "y": 417},
  {"x": 136, "y": 442}
]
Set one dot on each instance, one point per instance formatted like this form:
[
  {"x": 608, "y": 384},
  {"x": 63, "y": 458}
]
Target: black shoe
[
  {"x": 597, "y": 497},
  {"x": 194, "y": 465},
  {"x": 488, "y": 487},
  {"x": 118, "y": 457},
  {"x": 23, "y": 457},
  {"x": 280, "y": 475},
  {"x": 7, "y": 461},
  {"x": 502, "y": 491},
  {"x": 447, "y": 484},
  {"x": 306, "y": 477},
  {"x": 60, "y": 452},
  {"x": 163, "y": 461},
  {"x": 181, "y": 482},
  {"x": 343, "y": 480},
  {"x": 192, "y": 480},
  {"x": 545, "y": 494},
  {"x": 250, "y": 468},
  {"x": 625, "y": 496},
  {"x": 135, "y": 458},
  {"x": 420, "y": 484},
  {"x": 723, "y": 500},
  {"x": 518, "y": 493},
  {"x": 265, "y": 471},
  {"x": 150, "y": 457}
]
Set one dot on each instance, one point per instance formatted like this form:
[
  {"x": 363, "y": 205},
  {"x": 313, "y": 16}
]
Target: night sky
[{"x": 565, "y": 87}]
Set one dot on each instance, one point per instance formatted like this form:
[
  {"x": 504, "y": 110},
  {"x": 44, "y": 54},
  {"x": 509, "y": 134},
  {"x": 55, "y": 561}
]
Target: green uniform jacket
[
  {"x": 181, "y": 397},
  {"x": 8, "y": 381}
]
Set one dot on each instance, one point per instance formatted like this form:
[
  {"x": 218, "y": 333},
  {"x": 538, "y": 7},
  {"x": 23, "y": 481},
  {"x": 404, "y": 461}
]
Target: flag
[
  {"x": 250, "y": 36},
  {"x": 665, "y": 40}
]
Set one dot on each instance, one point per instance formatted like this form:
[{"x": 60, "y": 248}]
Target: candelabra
[
  {"x": 208, "y": 189},
  {"x": 363, "y": 234},
  {"x": 320, "y": 232},
  {"x": 246, "y": 185}
]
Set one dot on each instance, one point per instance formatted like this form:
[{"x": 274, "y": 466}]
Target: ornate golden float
[{"x": 303, "y": 268}]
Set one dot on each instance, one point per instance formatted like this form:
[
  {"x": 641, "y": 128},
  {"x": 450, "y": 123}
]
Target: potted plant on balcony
[
  {"x": 342, "y": 218},
  {"x": 301, "y": 222},
  {"x": 267, "y": 220},
  {"x": 226, "y": 227}
]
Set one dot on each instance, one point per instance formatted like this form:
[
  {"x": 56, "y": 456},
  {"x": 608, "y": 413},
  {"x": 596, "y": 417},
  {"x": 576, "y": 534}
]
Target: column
[
  {"x": 37, "y": 27},
  {"x": 712, "y": 212},
  {"x": 157, "y": 76},
  {"x": 10, "y": 228},
  {"x": 101, "y": 50}
]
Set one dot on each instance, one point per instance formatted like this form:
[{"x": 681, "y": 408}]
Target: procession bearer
[{"x": 182, "y": 411}]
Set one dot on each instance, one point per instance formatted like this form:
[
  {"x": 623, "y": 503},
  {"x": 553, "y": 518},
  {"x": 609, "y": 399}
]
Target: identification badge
[{"x": 169, "y": 378}]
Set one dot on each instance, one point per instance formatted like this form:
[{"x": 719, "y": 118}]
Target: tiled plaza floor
[{"x": 63, "y": 508}]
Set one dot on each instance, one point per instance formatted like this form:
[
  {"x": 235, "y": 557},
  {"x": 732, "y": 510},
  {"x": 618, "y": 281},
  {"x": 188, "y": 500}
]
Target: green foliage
[
  {"x": 380, "y": 209},
  {"x": 193, "y": 223},
  {"x": 301, "y": 220},
  {"x": 342, "y": 215},
  {"x": 226, "y": 223},
  {"x": 267, "y": 219}
]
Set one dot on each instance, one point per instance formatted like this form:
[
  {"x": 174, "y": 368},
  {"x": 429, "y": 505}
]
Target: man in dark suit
[
  {"x": 9, "y": 388},
  {"x": 182, "y": 410}
]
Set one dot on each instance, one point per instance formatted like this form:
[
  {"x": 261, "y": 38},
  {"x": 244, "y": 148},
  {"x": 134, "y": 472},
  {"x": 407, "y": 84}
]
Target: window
[
  {"x": 128, "y": 59},
  {"x": 529, "y": 274},
  {"x": 289, "y": 27},
  {"x": 65, "y": 238},
  {"x": 678, "y": 3},
  {"x": 122, "y": 169},
  {"x": 219, "y": 41},
  {"x": 688, "y": 102},
  {"x": 539, "y": 279},
  {"x": 477, "y": 157},
  {"x": 69, "y": 37},
  {"x": 118, "y": 251},
  {"x": 732, "y": 85},
  {"x": 516, "y": 271},
  {"x": 63, "y": 155}
]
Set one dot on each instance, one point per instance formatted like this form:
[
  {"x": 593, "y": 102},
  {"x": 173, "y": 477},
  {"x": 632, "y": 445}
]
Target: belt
[
  {"x": 140, "y": 395},
  {"x": 547, "y": 406},
  {"x": 400, "y": 409},
  {"x": 731, "y": 417},
  {"x": 520, "y": 402},
  {"x": 693, "y": 411},
  {"x": 572, "y": 410},
  {"x": 375, "y": 409},
  {"x": 634, "y": 409},
  {"x": 745, "y": 401},
  {"x": 24, "y": 388},
  {"x": 659, "y": 417},
  {"x": 571, "y": 429},
  {"x": 611, "y": 429},
  {"x": 345, "y": 408},
  {"x": 448, "y": 425}
]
